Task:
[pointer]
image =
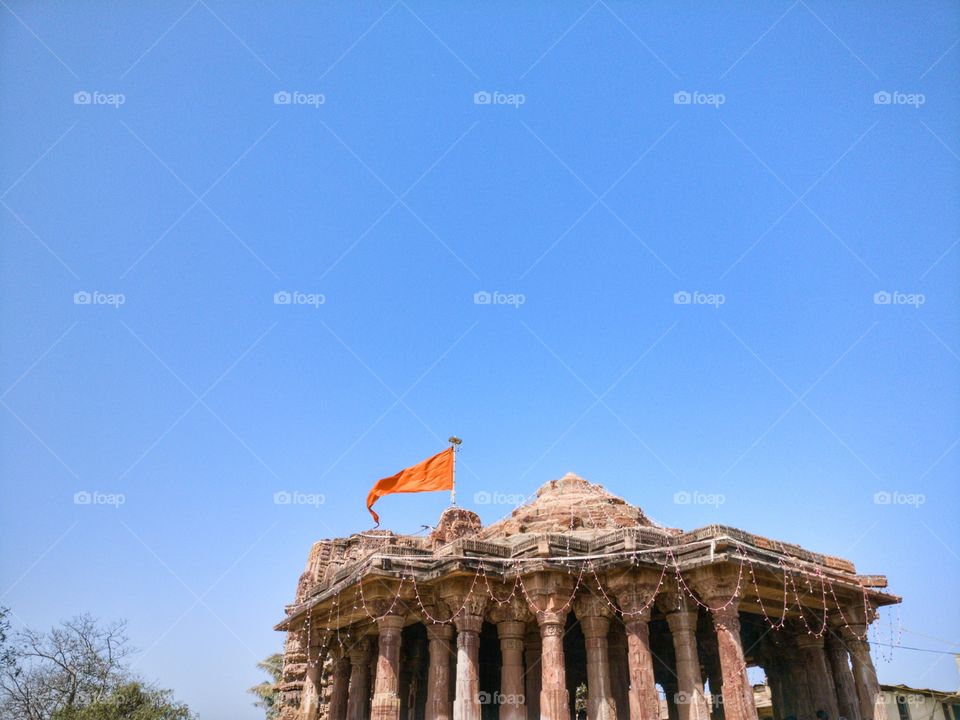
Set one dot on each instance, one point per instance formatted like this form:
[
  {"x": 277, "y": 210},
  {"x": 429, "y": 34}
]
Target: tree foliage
[
  {"x": 130, "y": 701},
  {"x": 267, "y": 692},
  {"x": 77, "y": 670}
]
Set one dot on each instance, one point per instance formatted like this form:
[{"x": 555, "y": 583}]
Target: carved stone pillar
[
  {"x": 341, "y": 685},
  {"x": 531, "y": 652},
  {"x": 512, "y": 706},
  {"x": 550, "y": 595},
  {"x": 772, "y": 669},
  {"x": 594, "y": 615},
  {"x": 466, "y": 704},
  {"x": 839, "y": 660},
  {"x": 710, "y": 659},
  {"x": 691, "y": 704},
  {"x": 310, "y": 697},
  {"x": 358, "y": 699},
  {"x": 294, "y": 672},
  {"x": 439, "y": 706},
  {"x": 869, "y": 696},
  {"x": 511, "y": 619},
  {"x": 619, "y": 669},
  {"x": 798, "y": 684},
  {"x": 386, "y": 696},
  {"x": 738, "y": 701},
  {"x": 718, "y": 587},
  {"x": 819, "y": 677},
  {"x": 468, "y": 607},
  {"x": 634, "y": 592},
  {"x": 554, "y": 699}
]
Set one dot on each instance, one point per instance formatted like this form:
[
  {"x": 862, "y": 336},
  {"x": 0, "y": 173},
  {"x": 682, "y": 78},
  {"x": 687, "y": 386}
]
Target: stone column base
[
  {"x": 602, "y": 709},
  {"x": 554, "y": 705},
  {"x": 385, "y": 707},
  {"x": 466, "y": 709}
]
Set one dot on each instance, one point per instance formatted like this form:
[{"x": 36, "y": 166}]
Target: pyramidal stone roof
[
  {"x": 569, "y": 504},
  {"x": 567, "y": 518}
]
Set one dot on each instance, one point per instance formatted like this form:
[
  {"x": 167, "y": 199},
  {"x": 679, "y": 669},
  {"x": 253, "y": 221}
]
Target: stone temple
[{"x": 577, "y": 605}]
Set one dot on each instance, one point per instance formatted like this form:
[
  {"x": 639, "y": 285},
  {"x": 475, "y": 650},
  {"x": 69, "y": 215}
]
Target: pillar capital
[
  {"x": 719, "y": 586},
  {"x": 387, "y": 623},
  {"x": 854, "y": 635},
  {"x": 635, "y": 589},
  {"x": 682, "y": 621},
  {"x": 514, "y": 609},
  {"x": 511, "y": 629},
  {"x": 361, "y": 650},
  {"x": 588, "y": 605},
  {"x": 467, "y": 624},
  {"x": 674, "y": 599},
  {"x": 442, "y": 632},
  {"x": 549, "y": 596},
  {"x": 462, "y": 597},
  {"x": 594, "y": 615},
  {"x": 809, "y": 642},
  {"x": 386, "y": 596}
]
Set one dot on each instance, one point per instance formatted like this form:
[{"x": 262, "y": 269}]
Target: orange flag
[{"x": 435, "y": 473}]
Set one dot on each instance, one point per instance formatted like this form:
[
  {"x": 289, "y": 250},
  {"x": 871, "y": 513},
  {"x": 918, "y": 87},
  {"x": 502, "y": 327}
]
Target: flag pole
[{"x": 455, "y": 444}]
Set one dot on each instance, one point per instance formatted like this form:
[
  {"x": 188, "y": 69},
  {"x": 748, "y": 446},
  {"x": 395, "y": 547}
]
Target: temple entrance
[
  {"x": 414, "y": 664},
  {"x": 490, "y": 693}
]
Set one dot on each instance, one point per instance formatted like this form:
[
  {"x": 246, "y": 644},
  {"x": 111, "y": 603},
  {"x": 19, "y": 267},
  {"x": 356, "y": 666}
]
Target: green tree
[
  {"x": 267, "y": 692},
  {"x": 130, "y": 701},
  {"x": 77, "y": 670}
]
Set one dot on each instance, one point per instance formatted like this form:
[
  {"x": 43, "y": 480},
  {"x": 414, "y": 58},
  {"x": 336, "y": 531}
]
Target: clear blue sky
[{"x": 597, "y": 199}]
